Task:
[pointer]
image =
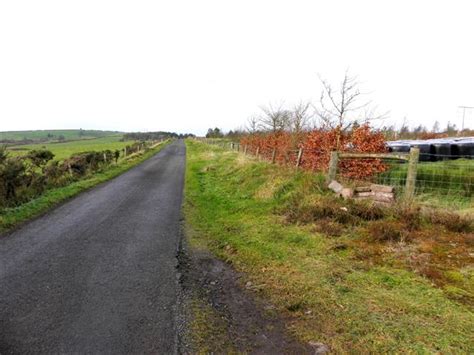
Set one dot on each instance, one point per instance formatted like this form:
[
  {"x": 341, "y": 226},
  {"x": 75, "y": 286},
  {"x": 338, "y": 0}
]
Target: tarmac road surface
[{"x": 98, "y": 274}]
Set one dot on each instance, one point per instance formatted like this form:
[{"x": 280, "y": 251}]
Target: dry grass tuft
[
  {"x": 452, "y": 221},
  {"x": 388, "y": 231}
]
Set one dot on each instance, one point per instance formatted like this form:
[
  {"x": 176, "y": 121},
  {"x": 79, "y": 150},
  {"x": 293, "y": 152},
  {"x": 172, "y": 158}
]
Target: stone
[
  {"x": 347, "y": 192},
  {"x": 335, "y": 186},
  {"x": 319, "y": 348}
]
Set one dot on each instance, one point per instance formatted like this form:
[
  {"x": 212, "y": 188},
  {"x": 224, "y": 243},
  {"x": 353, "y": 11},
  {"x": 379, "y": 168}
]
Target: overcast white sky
[{"x": 188, "y": 65}]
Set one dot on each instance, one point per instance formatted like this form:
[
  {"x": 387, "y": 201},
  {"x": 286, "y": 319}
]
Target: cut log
[
  {"x": 362, "y": 189},
  {"x": 384, "y": 197},
  {"x": 381, "y": 188},
  {"x": 365, "y": 194}
]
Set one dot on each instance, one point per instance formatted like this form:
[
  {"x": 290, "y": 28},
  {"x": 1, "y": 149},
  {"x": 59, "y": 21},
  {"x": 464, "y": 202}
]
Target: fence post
[
  {"x": 411, "y": 174},
  {"x": 298, "y": 159},
  {"x": 274, "y": 155},
  {"x": 257, "y": 151},
  {"x": 332, "y": 171},
  {"x": 245, "y": 149}
]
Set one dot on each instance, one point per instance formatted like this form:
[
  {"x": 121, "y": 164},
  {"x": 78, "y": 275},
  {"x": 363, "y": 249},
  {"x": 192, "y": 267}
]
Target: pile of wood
[{"x": 379, "y": 193}]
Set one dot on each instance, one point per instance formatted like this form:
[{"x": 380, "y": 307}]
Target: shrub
[
  {"x": 452, "y": 221},
  {"x": 366, "y": 210},
  {"x": 387, "y": 231},
  {"x": 410, "y": 215},
  {"x": 329, "y": 227},
  {"x": 12, "y": 176},
  {"x": 116, "y": 155},
  {"x": 40, "y": 157}
]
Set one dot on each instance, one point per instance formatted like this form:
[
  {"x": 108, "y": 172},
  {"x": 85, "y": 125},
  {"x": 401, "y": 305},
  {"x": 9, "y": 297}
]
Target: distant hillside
[{"x": 37, "y": 136}]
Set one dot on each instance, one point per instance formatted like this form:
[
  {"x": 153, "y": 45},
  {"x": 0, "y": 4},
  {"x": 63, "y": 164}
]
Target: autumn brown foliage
[{"x": 317, "y": 147}]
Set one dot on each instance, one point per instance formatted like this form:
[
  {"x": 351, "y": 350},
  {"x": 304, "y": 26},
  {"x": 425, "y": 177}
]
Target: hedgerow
[
  {"x": 23, "y": 178},
  {"x": 317, "y": 147}
]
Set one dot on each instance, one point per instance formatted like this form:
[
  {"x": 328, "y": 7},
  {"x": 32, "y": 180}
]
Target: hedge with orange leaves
[{"x": 317, "y": 147}]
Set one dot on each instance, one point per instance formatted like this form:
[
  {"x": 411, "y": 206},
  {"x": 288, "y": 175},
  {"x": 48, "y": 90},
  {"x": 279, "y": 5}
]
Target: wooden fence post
[
  {"x": 274, "y": 153},
  {"x": 245, "y": 149},
  {"x": 411, "y": 174},
  {"x": 298, "y": 159},
  {"x": 332, "y": 171},
  {"x": 257, "y": 151}
]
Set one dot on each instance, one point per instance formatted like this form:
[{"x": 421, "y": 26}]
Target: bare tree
[
  {"x": 252, "y": 124},
  {"x": 340, "y": 107},
  {"x": 300, "y": 117},
  {"x": 275, "y": 118}
]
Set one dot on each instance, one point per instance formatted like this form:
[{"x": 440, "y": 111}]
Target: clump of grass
[
  {"x": 388, "y": 231},
  {"x": 300, "y": 209},
  {"x": 410, "y": 215},
  {"x": 366, "y": 210},
  {"x": 452, "y": 221},
  {"x": 330, "y": 228}
]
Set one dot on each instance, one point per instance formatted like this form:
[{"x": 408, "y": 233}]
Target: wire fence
[{"x": 433, "y": 174}]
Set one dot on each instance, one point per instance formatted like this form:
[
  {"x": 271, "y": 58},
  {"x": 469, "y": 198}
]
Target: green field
[
  {"x": 52, "y": 134},
  {"x": 66, "y": 149},
  {"x": 449, "y": 182},
  {"x": 335, "y": 270}
]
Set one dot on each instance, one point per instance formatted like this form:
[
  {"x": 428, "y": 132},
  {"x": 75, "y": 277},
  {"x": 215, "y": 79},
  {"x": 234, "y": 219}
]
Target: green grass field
[
  {"x": 68, "y": 134},
  {"x": 447, "y": 183},
  {"x": 66, "y": 149},
  {"x": 356, "y": 296}
]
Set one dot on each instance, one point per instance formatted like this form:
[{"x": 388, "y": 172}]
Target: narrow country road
[{"x": 97, "y": 274}]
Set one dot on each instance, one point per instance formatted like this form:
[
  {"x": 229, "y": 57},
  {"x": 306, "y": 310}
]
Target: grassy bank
[
  {"x": 322, "y": 266},
  {"x": 11, "y": 217}
]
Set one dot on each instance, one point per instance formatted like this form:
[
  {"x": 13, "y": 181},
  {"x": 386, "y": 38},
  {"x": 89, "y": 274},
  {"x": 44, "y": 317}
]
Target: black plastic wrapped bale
[
  {"x": 425, "y": 150},
  {"x": 399, "y": 148},
  {"x": 441, "y": 150},
  {"x": 464, "y": 148}
]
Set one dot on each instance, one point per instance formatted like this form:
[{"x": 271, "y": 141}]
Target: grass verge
[
  {"x": 335, "y": 285},
  {"x": 11, "y": 217}
]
